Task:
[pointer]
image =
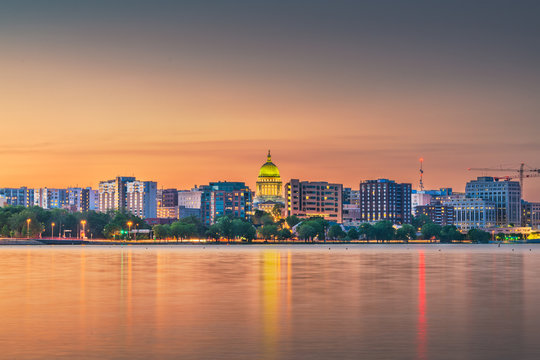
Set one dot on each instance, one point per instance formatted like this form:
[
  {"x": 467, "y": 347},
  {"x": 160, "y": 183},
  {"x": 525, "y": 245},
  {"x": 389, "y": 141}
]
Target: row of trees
[{"x": 19, "y": 221}]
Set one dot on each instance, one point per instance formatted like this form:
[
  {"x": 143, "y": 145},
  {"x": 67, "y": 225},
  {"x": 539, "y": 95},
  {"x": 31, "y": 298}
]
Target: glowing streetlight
[
  {"x": 129, "y": 224},
  {"x": 83, "y": 223},
  {"x": 28, "y": 227},
  {"x": 52, "y": 229}
]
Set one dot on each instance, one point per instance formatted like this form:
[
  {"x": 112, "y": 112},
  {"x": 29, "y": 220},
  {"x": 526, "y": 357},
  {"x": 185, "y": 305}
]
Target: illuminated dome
[
  {"x": 269, "y": 187},
  {"x": 269, "y": 169}
]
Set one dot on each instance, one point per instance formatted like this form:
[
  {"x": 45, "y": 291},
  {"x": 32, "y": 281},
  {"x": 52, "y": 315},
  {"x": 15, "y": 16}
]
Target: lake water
[{"x": 270, "y": 302}]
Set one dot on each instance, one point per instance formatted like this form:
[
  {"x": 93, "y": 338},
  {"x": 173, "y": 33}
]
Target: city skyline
[{"x": 186, "y": 93}]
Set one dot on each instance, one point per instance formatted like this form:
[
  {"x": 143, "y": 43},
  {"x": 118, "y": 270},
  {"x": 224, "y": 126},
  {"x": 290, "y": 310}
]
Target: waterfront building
[
  {"x": 169, "y": 212},
  {"x": 112, "y": 193},
  {"x": 93, "y": 199},
  {"x": 314, "y": 198},
  {"x": 167, "y": 198},
  {"x": 127, "y": 193},
  {"x": 426, "y": 197},
  {"x": 184, "y": 212},
  {"x": 268, "y": 188},
  {"x": 385, "y": 199},
  {"x": 141, "y": 198},
  {"x": 51, "y": 198},
  {"x": 190, "y": 199},
  {"x": 167, "y": 203},
  {"x": 352, "y": 215},
  {"x": 419, "y": 199},
  {"x": 438, "y": 213},
  {"x": 225, "y": 198},
  {"x": 80, "y": 199},
  {"x": 472, "y": 213},
  {"x": 505, "y": 194},
  {"x": 18, "y": 196},
  {"x": 530, "y": 214}
]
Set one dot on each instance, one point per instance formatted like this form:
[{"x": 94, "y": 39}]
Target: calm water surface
[{"x": 270, "y": 302}]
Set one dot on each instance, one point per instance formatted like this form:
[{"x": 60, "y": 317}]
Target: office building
[
  {"x": 314, "y": 198},
  {"x": 385, "y": 199},
  {"x": 190, "y": 199},
  {"x": 18, "y": 196},
  {"x": 112, "y": 193},
  {"x": 51, "y": 198},
  {"x": 141, "y": 198},
  {"x": 530, "y": 214},
  {"x": 438, "y": 213},
  {"x": 225, "y": 198},
  {"x": 472, "y": 213},
  {"x": 505, "y": 194}
]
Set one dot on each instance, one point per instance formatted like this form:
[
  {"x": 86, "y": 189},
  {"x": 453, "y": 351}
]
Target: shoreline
[{"x": 98, "y": 242}]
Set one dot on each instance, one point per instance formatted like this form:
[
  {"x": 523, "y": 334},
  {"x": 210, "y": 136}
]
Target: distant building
[
  {"x": 530, "y": 214},
  {"x": 505, "y": 194},
  {"x": 141, "y": 198},
  {"x": 440, "y": 214},
  {"x": 167, "y": 198},
  {"x": 129, "y": 194},
  {"x": 385, "y": 199},
  {"x": 168, "y": 212},
  {"x": 112, "y": 193},
  {"x": 472, "y": 213},
  {"x": 18, "y": 196},
  {"x": 268, "y": 189},
  {"x": 190, "y": 199},
  {"x": 352, "y": 215},
  {"x": 93, "y": 199},
  {"x": 51, "y": 198},
  {"x": 225, "y": 198},
  {"x": 426, "y": 197},
  {"x": 81, "y": 199},
  {"x": 2, "y": 201},
  {"x": 314, "y": 198},
  {"x": 184, "y": 212}
]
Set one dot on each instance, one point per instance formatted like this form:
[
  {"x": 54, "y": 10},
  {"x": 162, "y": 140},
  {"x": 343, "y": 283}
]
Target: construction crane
[{"x": 523, "y": 172}]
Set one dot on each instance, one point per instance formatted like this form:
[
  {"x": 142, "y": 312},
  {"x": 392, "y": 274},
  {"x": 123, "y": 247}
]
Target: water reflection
[{"x": 375, "y": 302}]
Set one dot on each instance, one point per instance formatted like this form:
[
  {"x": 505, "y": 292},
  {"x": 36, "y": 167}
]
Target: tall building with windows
[
  {"x": 438, "y": 213},
  {"x": 141, "y": 198},
  {"x": 530, "y": 214},
  {"x": 51, "y": 198},
  {"x": 472, "y": 213},
  {"x": 314, "y": 198},
  {"x": 505, "y": 194},
  {"x": 385, "y": 199},
  {"x": 190, "y": 199},
  {"x": 112, "y": 193},
  {"x": 268, "y": 189},
  {"x": 127, "y": 193},
  {"x": 225, "y": 198},
  {"x": 18, "y": 196}
]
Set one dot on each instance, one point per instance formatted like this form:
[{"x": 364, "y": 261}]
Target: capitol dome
[
  {"x": 268, "y": 187},
  {"x": 269, "y": 169}
]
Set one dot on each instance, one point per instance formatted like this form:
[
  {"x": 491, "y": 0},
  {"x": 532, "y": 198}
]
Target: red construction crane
[{"x": 524, "y": 171}]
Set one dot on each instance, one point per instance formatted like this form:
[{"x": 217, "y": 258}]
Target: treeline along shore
[{"x": 58, "y": 226}]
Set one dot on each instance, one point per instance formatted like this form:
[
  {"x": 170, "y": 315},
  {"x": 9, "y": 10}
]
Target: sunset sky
[{"x": 187, "y": 92}]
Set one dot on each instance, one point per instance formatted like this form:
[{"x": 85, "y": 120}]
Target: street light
[
  {"x": 83, "y": 223},
  {"x": 129, "y": 224},
  {"x": 52, "y": 230},
  {"x": 28, "y": 227}
]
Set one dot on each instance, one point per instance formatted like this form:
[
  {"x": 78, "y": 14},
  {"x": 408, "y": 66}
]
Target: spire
[{"x": 269, "y": 159}]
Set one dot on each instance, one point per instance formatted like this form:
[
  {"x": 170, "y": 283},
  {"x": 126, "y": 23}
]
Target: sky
[{"x": 187, "y": 92}]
